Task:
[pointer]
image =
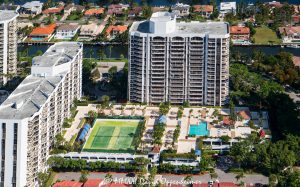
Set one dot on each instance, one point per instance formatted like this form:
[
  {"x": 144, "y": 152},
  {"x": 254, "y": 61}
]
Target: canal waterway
[{"x": 115, "y": 51}]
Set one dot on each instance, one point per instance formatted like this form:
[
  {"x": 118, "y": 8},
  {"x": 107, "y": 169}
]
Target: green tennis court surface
[{"x": 112, "y": 136}]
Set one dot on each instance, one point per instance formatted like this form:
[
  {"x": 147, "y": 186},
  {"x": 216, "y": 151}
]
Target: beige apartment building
[
  {"x": 178, "y": 61},
  {"x": 33, "y": 114},
  {"x": 8, "y": 45}
]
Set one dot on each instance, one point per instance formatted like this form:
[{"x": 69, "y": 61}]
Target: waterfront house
[
  {"x": 290, "y": 34},
  {"x": 53, "y": 10},
  {"x": 42, "y": 33},
  {"x": 114, "y": 30},
  {"x": 72, "y": 7},
  {"x": 88, "y": 32},
  {"x": 204, "y": 10},
  {"x": 181, "y": 9},
  {"x": 117, "y": 9},
  {"x": 66, "y": 31},
  {"x": 240, "y": 34},
  {"x": 94, "y": 12},
  {"x": 31, "y": 8},
  {"x": 135, "y": 11},
  {"x": 227, "y": 7}
]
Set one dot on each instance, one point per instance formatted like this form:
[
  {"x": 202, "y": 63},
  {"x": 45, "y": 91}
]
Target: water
[
  {"x": 199, "y": 130},
  {"x": 115, "y": 51}
]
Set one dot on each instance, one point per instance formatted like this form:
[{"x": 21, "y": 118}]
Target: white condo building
[
  {"x": 8, "y": 44},
  {"x": 33, "y": 114},
  {"x": 178, "y": 61}
]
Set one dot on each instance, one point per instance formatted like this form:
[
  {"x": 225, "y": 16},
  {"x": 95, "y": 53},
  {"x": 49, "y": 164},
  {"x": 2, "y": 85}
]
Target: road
[{"x": 170, "y": 178}]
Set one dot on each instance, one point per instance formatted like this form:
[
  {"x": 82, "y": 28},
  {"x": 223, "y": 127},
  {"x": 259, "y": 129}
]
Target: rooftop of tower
[
  {"x": 6, "y": 15},
  {"x": 167, "y": 21},
  {"x": 34, "y": 91}
]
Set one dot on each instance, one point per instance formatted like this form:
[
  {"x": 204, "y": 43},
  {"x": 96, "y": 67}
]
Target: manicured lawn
[
  {"x": 264, "y": 35},
  {"x": 112, "y": 136}
]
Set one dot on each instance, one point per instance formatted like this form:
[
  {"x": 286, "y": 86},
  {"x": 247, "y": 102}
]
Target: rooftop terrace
[
  {"x": 33, "y": 92},
  {"x": 6, "y": 15},
  {"x": 194, "y": 27},
  {"x": 57, "y": 54}
]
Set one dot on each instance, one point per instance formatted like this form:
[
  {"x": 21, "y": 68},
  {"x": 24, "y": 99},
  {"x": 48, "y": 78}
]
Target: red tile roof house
[
  {"x": 93, "y": 183},
  {"x": 94, "y": 12},
  {"x": 42, "y": 33},
  {"x": 240, "y": 34},
  {"x": 53, "y": 10},
  {"x": 68, "y": 184},
  {"x": 112, "y": 31},
  {"x": 117, "y": 9},
  {"x": 290, "y": 34},
  {"x": 204, "y": 10}
]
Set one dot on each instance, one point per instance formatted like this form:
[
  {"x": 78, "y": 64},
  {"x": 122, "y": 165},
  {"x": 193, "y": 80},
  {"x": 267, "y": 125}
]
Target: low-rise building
[
  {"x": 72, "y": 7},
  {"x": 240, "y": 35},
  {"x": 66, "y": 31},
  {"x": 290, "y": 35},
  {"x": 94, "y": 12},
  {"x": 181, "y": 9},
  {"x": 53, "y": 10},
  {"x": 135, "y": 11},
  {"x": 204, "y": 10},
  {"x": 42, "y": 33},
  {"x": 227, "y": 7},
  {"x": 89, "y": 32},
  {"x": 31, "y": 8},
  {"x": 114, "y": 30},
  {"x": 117, "y": 9}
]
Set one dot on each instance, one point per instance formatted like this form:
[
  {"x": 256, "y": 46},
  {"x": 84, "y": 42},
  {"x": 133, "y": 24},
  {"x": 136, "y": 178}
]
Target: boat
[{"x": 295, "y": 46}]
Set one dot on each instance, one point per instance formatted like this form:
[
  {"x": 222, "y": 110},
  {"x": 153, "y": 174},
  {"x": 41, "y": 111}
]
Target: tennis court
[{"x": 112, "y": 136}]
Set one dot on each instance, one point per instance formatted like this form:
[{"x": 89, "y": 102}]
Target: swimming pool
[
  {"x": 37, "y": 39},
  {"x": 199, "y": 130}
]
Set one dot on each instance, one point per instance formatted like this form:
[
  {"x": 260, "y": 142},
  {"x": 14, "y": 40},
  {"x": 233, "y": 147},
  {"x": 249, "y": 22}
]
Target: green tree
[
  {"x": 290, "y": 179},
  {"x": 239, "y": 176},
  {"x": 109, "y": 178},
  {"x": 105, "y": 101},
  {"x": 84, "y": 176},
  {"x": 188, "y": 179},
  {"x": 42, "y": 178},
  {"x": 151, "y": 177}
]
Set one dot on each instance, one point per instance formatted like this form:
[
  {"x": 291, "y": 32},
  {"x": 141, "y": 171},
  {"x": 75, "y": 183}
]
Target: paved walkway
[
  {"x": 222, "y": 177},
  {"x": 102, "y": 25},
  {"x": 82, "y": 112}
]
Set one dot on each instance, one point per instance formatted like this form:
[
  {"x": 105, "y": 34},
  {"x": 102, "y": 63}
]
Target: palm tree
[
  {"x": 98, "y": 107},
  {"x": 239, "y": 176},
  {"x": 188, "y": 178},
  {"x": 109, "y": 178}
]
